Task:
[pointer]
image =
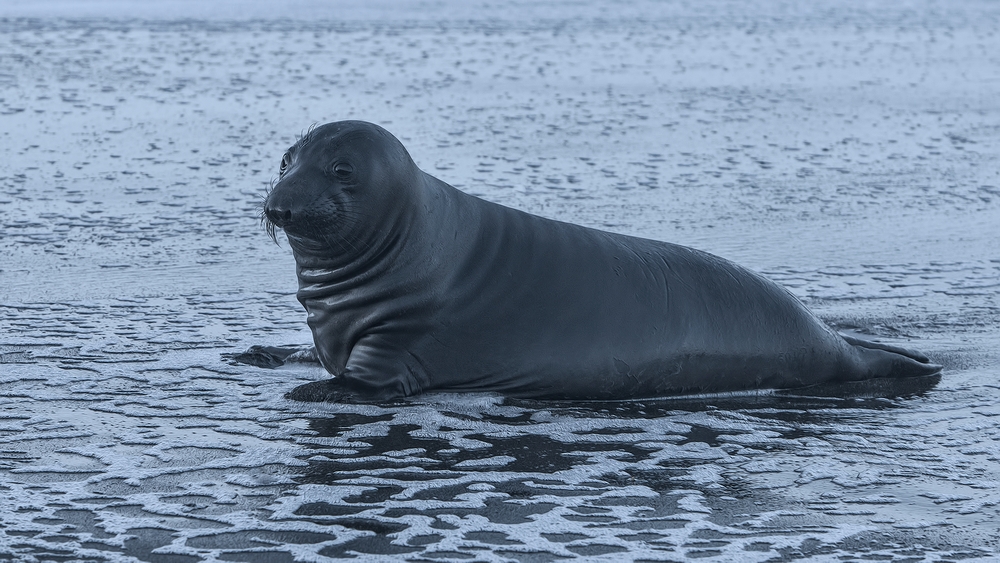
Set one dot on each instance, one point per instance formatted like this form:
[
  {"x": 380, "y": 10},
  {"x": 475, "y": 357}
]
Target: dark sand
[{"x": 847, "y": 152}]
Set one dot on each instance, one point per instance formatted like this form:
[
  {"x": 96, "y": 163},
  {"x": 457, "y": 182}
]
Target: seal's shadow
[
  {"x": 450, "y": 458},
  {"x": 402, "y": 442},
  {"x": 874, "y": 394}
]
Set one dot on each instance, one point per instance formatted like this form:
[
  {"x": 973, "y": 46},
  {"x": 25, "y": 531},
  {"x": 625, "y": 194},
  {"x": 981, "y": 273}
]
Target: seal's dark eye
[
  {"x": 286, "y": 159},
  {"x": 343, "y": 169}
]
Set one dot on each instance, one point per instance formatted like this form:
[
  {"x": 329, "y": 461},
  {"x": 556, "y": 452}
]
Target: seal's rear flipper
[
  {"x": 879, "y": 362},
  {"x": 887, "y": 347},
  {"x": 273, "y": 356}
]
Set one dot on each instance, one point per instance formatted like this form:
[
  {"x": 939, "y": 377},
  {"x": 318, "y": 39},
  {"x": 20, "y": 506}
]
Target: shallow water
[{"x": 848, "y": 152}]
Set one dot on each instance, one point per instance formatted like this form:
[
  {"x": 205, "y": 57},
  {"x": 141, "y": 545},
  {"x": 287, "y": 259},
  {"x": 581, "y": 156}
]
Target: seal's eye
[
  {"x": 286, "y": 159},
  {"x": 343, "y": 169}
]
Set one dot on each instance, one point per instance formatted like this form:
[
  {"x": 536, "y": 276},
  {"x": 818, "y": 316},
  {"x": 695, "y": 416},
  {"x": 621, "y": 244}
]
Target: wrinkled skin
[{"x": 411, "y": 285}]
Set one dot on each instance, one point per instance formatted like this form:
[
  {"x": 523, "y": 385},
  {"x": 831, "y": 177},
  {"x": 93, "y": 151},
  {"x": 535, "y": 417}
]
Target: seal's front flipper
[
  {"x": 887, "y": 347},
  {"x": 273, "y": 356},
  {"x": 305, "y": 355},
  {"x": 325, "y": 391},
  {"x": 376, "y": 372},
  {"x": 335, "y": 390}
]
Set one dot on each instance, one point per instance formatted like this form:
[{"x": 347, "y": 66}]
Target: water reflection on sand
[{"x": 847, "y": 153}]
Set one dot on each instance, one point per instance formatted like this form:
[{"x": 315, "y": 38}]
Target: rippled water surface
[{"x": 848, "y": 151}]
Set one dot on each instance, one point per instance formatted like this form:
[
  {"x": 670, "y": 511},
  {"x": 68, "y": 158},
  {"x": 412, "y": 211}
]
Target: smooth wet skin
[{"x": 411, "y": 285}]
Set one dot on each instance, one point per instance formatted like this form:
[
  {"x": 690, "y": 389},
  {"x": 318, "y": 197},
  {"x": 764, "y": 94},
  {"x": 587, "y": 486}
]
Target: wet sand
[{"x": 847, "y": 152}]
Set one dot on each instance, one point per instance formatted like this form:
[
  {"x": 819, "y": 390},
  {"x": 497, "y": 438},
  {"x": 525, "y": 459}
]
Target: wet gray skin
[{"x": 411, "y": 285}]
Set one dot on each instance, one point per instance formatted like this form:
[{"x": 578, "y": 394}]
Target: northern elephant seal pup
[{"x": 412, "y": 285}]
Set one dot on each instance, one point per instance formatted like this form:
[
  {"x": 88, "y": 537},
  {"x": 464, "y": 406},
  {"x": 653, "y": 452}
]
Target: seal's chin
[
  {"x": 269, "y": 227},
  {"x": 298, "y": 241},
  {"x": 299, "y": 236},
  {"x": 314, "y": 246}
]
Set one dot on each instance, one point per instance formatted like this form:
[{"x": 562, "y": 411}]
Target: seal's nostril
[{"x": 280, "y": 217}]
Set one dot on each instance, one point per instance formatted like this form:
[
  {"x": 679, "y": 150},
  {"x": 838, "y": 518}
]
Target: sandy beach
[{"x": 848, "y": 151}]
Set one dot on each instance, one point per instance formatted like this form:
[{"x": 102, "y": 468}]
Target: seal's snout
[{"x": 277, "y": 216}]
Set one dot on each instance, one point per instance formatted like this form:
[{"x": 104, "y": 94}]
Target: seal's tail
[{"x": 885, "y": 360}]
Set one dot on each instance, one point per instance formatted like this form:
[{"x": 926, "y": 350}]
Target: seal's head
[{"x": 340, "y": 189}]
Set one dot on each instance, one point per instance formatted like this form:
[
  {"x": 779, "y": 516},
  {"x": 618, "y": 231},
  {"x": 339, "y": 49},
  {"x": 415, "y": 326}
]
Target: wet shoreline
[{"x": 847, "y": 153}]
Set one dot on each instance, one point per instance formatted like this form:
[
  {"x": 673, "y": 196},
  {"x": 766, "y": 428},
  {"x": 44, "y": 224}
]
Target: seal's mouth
[
  {"x": 301, "y": 228},
  {"x": 269, "y": 227},
  {"x": 320, "y": 226},
  {"x": 265, "y": 220}
]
